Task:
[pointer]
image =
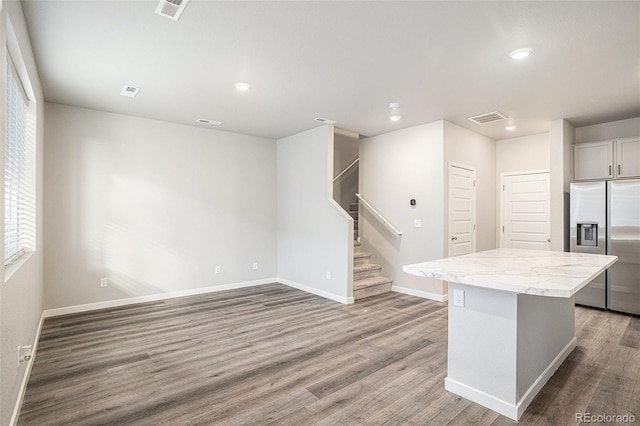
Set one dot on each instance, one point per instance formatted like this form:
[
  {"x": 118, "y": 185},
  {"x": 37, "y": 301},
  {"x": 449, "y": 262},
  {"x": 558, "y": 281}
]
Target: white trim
[
  {"x": 524, "y": 172},
  {"x": 545, "y": 376},
  {"x": 513, "y": 411},
  {"x": 420, "y": 293},
  {"x": 153, "y": 297},
  {"x": 322, "y": 293},
  {"x": 474, "y": 205},
  {"x": 27, "y": 374},
  {"x": 501, "y": 200},
  {"x": 192, "y": 292}
]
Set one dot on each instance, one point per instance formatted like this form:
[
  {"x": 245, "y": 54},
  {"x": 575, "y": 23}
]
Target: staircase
[{"x": 367, "y": 279}]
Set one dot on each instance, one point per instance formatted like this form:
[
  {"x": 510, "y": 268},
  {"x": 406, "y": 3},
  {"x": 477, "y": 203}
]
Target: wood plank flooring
[{"x": 276, "y": 355}]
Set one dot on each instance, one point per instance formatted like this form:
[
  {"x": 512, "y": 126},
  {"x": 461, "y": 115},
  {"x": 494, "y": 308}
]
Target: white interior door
[
  {"x": 525, "y": 219},
  {"x": 462, "y": 209}
]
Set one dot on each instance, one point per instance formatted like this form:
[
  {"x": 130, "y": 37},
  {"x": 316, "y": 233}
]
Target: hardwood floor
[{"x": 275, "y": 355}]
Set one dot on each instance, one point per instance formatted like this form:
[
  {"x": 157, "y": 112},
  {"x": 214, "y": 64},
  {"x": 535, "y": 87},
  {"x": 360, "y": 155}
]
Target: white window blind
[{"x": 19, "y": 174}]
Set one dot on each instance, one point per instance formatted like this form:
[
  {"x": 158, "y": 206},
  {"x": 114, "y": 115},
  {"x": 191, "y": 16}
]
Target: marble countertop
[{"x": 537, "y": 272}]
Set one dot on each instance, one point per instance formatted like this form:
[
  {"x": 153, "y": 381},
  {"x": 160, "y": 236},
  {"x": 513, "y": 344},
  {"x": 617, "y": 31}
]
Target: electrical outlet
[
  {"x": 217, "y": 269},
  {"x": 104, "y": 282},
  {"x": 328, "y": 275},
  {"x": 458, "y": 298},
  {"x": 255, "y": 265},
  {"x": 417, "y": 223}
]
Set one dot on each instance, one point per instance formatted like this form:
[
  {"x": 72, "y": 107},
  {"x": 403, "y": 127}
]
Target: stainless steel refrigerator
[{"x": 605, "y": 219}]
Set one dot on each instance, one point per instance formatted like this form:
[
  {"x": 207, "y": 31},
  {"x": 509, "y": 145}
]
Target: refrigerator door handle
[{"x": 609, "y": 169}]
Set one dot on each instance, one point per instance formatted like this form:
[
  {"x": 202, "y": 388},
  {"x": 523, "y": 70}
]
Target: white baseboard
[
  {"x": 27, "y": 374},
  {"x": 150, "y": 298},
  {"x": 191, "y": 292},
  {"x": 420, "y": 293},
  {"x": 513, "y": 411},
  {"x": 153, "y": 297},
  {"x": 545, "y": 376},
  {"x": 322, "y": 293}
]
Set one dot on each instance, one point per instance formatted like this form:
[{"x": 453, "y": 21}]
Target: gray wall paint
[
  {"x": 21, "y": 294},
  {"x": 614, "y": 129},
  {"x": 526, "y": 153},
  {"x": 153, "y": 206},
  {"x": 395, "y": 168},
  {"x": 344, "y": 153},
  {"x": 314, "y": 235},
  {"x": 472, "y": 149},
  {"x": 561, "y": 137}
]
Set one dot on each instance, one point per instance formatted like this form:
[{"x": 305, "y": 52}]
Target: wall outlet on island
[{"x": 458, "y": 298}]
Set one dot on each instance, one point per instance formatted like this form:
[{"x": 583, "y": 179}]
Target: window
[{"x": 19, "y": 173}]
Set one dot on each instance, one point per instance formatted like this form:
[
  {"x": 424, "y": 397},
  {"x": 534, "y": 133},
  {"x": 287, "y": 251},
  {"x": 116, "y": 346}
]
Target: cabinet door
[
  {"x": 628, "y": 157},
  {"x": 593, "y": 160}
]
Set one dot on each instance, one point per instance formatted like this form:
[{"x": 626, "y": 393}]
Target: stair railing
[
  {"x": 378, "y": 216},
  {"x": 346, "y": 169}
]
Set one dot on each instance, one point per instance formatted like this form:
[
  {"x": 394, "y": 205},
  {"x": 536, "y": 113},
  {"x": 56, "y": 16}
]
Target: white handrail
[
  {"x": 377, "y": 214},
  {"x": 346, "y": 169}
]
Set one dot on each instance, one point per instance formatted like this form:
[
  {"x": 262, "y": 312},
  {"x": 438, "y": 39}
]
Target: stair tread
[
  {"x": 366, "y": 267},
  {"x": 359, "y": 254},
  {"x": 371, "y": 281}
]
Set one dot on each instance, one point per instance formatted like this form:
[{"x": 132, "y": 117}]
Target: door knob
[
  {"x": 548, "y": 240},
  {"x": 454, "y": 238}
]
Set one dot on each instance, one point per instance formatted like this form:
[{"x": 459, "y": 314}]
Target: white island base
[
  {"x": 503, "y": 347},
  {"x": 511, "y": 320}
]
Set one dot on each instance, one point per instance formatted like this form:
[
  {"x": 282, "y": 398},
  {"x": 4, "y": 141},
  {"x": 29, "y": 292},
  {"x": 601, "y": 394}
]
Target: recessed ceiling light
[
  {"x": 520, "y": 53},
  {"x": 207, "y": 121},
  {"x": 394, "y": 105},
  {"x": 243, "y": 87},
  {"x": 129, "y": 91},
  {"x": 510, "y": 128},
  {"x": 395, "y": 117}
]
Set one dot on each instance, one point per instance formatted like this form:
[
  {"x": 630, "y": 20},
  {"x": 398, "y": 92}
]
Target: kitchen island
[{"x": 511, "y": 320}]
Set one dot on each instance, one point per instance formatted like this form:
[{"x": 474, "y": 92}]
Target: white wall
[
  {"x": 153, "y": 206},
  {"x": 395, "y": 168},
  {"x": 344, "y": 153},
  {"x": 525, "y": 153},
  {"x": 469, "y": 148},
  {"x": 521, "y": 154},
  {"x": 561, "y": 137},
  {"x": 21, "y": 294},
  {"x": 315, "y": 236},
  {"x": 614, "y": 129}
]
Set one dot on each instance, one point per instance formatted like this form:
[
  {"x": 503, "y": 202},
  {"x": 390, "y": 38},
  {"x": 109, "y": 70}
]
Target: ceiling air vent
[
  {"x": 171, "y": 9},
  {"x": 210, "y": 122},
  {"x": 130, "y": 91},
  {"x": 488, "y": 117},
  {"x": 324, "y": 120}
]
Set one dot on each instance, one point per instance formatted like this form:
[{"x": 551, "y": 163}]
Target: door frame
[
  {"x": 502, "y": 201},
  {"x": 450, "y": 165}
]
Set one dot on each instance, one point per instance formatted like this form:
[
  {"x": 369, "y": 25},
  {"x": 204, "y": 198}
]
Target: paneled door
[
  {"x": 524, "y": 213},
  {"x": 462, "y": 209}
]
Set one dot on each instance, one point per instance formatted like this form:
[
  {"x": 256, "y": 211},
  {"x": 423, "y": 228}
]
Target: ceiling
[{"x": 345, "y": 61}]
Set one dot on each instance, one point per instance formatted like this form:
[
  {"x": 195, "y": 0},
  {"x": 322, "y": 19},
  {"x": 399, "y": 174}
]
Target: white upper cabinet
[
  {"x": 593, "y": 160},
  {"x": 619, "y": 158},
  {"x": 628, "y": 157}
]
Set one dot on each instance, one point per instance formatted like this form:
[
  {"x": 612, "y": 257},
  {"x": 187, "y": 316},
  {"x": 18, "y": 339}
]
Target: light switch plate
[{"x": 417, "y": 223}]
